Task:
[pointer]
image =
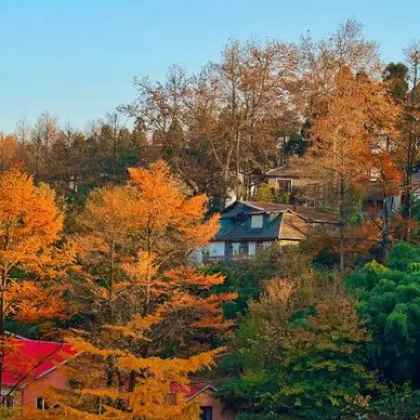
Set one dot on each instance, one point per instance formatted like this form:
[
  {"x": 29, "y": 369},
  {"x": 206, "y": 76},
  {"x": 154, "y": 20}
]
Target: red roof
[{"x": 26, "y": 360}]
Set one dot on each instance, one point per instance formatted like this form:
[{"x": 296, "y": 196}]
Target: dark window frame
[
  {"x": 284, "y": 185},
  {"x": 41, "y": 403},
  {"x": 206, "y": 413}
]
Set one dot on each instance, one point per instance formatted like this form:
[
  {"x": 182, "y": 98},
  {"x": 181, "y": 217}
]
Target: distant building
[
  {"x": 294, "y": 183},
  {"x": 247, "y": 226},
  {"x": 204, "y": 394}
]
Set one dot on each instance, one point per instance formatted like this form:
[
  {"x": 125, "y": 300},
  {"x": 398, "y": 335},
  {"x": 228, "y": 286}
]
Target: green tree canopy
[
  {"x": 389, "y": 302},
  {"x": 264, "y": 193},
  {"x": 298, "y": 353}
]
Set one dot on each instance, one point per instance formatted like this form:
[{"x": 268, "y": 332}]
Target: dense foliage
[
  {"x": 389, "y": 301},
  {"x": 310, "y": 349},
  {"x": 147, "y": 314},
  {"x": 298, "y": 352}
]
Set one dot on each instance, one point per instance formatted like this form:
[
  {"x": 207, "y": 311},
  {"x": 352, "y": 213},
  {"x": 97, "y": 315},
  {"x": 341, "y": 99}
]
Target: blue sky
[{"x": 77, "y": 58}]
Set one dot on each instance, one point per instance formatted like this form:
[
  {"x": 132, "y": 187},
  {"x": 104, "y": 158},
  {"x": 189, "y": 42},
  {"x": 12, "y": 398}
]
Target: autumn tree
[
  {"x": 348, "y": 136},
  {"x": 264, "y": 193},
  {"x": 149, "y": 320},
  {"x": 259, "y": 83},
  {"x": 388, "y": 180},
  {"x": 8, "y": 152},
  {"x": 23, "y": 134},
  {"x": 402, "y": 80},
  {"x": 322, "y": 61},
  {"x": 44, "y": 135},
  {"x": 230, "y": 117},
  {"x": 30, "y": 263}
]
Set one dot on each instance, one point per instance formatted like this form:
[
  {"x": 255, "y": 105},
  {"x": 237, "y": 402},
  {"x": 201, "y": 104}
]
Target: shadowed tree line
[{"x": 239, "y": 116}]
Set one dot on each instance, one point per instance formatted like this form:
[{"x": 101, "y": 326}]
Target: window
[
  {"x": 73, "y": 184},
  {"x": 257, "y": 221},
  {"x": 243, "y": 248},
  {"x": 284, "y": 185},
  {"x": 206, "y": 413},
  {"x": 41, "y": 404},
  {"x": 228, "y": 251},
  {"x": 7, "y": 401},
  {"x": 235, "y": 249}
]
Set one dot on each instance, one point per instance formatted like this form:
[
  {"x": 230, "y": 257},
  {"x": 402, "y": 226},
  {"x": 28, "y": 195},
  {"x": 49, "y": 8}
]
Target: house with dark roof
[{"x": 247, "y": 226}]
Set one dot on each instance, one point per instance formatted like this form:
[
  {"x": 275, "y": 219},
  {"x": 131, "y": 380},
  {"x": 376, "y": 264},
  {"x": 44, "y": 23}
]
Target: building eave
[
  {"x": 248, "y": 239},
  {"x": 206, "y": 388}
]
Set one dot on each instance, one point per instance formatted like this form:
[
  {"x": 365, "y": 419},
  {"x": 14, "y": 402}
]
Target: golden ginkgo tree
[
  {"x": 349, "y": 140},
  {"x": 149, "y": 317},
  {"x": 30, "y": 262}
]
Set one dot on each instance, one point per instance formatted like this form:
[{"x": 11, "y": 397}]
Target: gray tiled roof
[
  {"x": 241, "y": 229},
  {"x": 307, "y": 213},
  {"x": 236, "y": 220}
]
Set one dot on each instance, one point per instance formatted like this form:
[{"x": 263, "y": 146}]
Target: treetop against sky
[{"x": 77, "y": 59}]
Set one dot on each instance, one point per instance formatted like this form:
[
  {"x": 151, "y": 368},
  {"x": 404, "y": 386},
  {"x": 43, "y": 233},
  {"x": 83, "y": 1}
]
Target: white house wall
[
  {"x": 212, "y": 250},
  {"x": 216, "y": 249}
]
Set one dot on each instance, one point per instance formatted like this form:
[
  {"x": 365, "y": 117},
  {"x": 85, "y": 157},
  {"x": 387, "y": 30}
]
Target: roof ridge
[
  {"x": 42, "y": 341},
  {"x": 21, "y": 337},
  {"x": 249, "y": 203}
]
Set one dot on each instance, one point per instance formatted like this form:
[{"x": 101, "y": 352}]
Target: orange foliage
[
  {"x": 9, "y": 153},
  {"x": 350, "y": 142},
  {"x": 163, "y": 208},
  {"x": 352, "y": 131},
  {"x": 30, "y": 225},
  {"x": 145, "y": 298},
  {"x": 390, "y": 176},
  {"x": 399, "y": 226}
]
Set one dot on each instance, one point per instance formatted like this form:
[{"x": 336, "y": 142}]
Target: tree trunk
[
  {"x": 385, "y": 232},
  {"x": 342, "y": 221},
  {"x": 407, "y": 200},
  {"x": 342, "y": 240},
  {"x": 112, "y": 282}
]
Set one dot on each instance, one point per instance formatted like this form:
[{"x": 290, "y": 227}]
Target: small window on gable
[{"x": 257, "y": 221}]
